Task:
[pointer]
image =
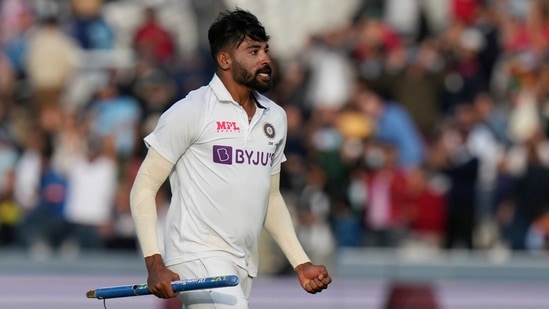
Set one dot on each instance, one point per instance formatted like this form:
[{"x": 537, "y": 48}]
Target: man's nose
[{"x": 265, "y": 59}]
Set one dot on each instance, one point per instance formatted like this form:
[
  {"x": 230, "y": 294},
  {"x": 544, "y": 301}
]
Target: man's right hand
[{"x": 160, "y": 278}]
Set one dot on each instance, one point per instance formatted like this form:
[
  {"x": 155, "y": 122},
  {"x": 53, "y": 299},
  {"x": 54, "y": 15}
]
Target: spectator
[
  {"x": 30, "y": 168},
  {"x": 16, "y": 39},
  {"x": 115, "y": 115},
  {"x": 7, "y": 89},
  {"x": 528, "y": 164},
  {"x": 152, "y": 40},
  {"x": 413, "y": 78},
  {"x": 464, "y": 77},
  {"x": 459, "y": 162},
  {"x": 152, "y": 87},
  {"x": 331, "y": 73},
  {"x": 8, "y": 158},
  {"x": 464, "y": 10},
  {"x": 89, "y": 28},
  {"x": 9, "y": 212},
  {"x": 314, "y": 211},
  {"x": 537, "y": 238},
  {"x": 10, "y": 218},
  {"x": 427, "y": 208},
  {"x": 11, "y": 12},
  {"x": 385, "y": 211},
  {"x": 43, "y": 228},
  {"x": 393, "y": 125},
  {"x": 92, "y": 183},
  {"x": 69, "y": 140},
  {"x": 52, "y": 61}
]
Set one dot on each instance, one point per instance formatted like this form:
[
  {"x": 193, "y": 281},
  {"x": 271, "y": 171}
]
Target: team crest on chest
[{"x": 269, "y": 130}]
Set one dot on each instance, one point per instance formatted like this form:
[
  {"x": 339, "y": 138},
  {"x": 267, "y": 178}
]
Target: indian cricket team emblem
[{"x": 269, "y": 130}]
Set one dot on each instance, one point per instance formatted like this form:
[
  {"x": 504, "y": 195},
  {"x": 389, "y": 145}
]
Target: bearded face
[{"x": 259, "y": 79}]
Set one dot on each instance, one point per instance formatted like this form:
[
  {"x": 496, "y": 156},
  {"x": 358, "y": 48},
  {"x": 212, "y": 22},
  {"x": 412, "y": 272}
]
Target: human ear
[{"x": 224, "y": 60}]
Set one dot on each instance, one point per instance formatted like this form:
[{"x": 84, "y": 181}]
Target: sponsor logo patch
[
  {"x": 228, "y": 155},
  {"x": 227, "y": 126}
]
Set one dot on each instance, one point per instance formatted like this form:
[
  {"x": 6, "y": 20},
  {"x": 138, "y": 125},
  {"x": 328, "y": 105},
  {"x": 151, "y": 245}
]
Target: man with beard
[{"x": 222, "y": 147}]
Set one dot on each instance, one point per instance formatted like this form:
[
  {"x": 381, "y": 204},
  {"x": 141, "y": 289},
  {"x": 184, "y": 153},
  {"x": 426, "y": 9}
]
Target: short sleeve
[
  {"x": 176, "y": 130},
  {"x": 279, "y": 156}
]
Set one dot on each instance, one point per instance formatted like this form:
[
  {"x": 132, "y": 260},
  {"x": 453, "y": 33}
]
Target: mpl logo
[
  {"x": 227, "y": 126},
  {"x": 227, "y": 155}
]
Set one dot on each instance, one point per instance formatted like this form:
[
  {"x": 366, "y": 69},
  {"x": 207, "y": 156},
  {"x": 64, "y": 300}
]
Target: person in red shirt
[
  {"x": 426, "y": 208},
  {"x": 465, "y": 10},
  {"x": 152, "y": 40}
]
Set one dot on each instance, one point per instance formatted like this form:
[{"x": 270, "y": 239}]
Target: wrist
[
  {"x": 154, "y": 262},
  {"x": 300, "y": 266}
]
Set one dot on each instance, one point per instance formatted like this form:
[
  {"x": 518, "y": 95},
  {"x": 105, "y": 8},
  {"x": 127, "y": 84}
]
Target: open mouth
[{"x": 265, "y": 72}]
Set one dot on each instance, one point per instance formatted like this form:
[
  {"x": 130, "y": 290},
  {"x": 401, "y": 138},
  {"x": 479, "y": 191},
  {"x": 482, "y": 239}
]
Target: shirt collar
[{"x": 224, "y": 96}]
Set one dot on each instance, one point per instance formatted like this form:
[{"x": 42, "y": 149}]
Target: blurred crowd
[{"x": 416, "y": 123}]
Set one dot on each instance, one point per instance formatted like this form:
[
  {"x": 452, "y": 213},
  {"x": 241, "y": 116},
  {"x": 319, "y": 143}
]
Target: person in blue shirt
[{"x": 393, "y": 126}]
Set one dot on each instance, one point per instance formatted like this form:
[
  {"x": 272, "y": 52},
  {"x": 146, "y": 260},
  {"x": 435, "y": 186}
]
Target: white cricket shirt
[{"x": 221, "y": 179}]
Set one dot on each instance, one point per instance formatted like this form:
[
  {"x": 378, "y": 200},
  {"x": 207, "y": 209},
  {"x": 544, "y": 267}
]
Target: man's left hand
[{"x": 313, "y": 278}]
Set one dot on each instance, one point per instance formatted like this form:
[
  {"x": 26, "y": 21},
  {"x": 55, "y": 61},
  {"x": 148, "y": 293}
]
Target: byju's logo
[
  {"x": 227, "y": 155},
  {"x": 223, "y": 154}
]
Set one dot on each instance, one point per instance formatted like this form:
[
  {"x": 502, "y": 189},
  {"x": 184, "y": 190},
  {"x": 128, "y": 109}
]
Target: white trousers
[{"x": 235, "y": 297}]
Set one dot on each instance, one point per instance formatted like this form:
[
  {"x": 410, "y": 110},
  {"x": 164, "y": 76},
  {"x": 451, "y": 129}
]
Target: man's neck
[{"x": 241, "y": 94}]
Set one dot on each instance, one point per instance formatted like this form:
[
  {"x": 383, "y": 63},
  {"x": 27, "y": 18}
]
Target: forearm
[
  {"x": 151, "y": 175},
  {"x": 278, "y": 223}
]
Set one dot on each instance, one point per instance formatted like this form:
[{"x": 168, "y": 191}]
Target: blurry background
[{"x": 418, "y": 151}]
